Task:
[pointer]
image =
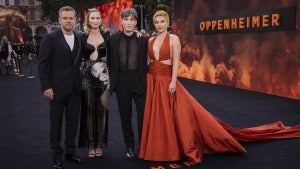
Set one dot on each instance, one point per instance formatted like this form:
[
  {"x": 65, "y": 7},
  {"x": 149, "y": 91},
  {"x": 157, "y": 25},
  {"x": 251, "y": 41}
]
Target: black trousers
[
  {"x": 130, "y": 87},
  {"x": 70, "y": 106}
]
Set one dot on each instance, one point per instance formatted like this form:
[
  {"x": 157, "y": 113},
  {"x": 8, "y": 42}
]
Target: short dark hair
[
  {"x": 66, "y": 8},
  {"x": 129, "y": 12}
]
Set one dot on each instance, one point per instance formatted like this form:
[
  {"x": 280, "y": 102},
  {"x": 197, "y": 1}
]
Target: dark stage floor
[{"x": 24, "y": 131}]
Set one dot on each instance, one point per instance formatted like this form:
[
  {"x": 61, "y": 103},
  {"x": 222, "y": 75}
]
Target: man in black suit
[
  {"x": 59, "y": 73},
  {"x": 128, "y": 65}
]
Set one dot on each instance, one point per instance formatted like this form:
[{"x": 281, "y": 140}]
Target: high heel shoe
[
  {"x": 92, "y": 153},
  {"x": 98, "y": 152}
]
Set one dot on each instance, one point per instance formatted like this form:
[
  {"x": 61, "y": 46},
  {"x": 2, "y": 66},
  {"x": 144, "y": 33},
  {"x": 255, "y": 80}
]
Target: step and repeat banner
[{"x": 249, "y": 44}]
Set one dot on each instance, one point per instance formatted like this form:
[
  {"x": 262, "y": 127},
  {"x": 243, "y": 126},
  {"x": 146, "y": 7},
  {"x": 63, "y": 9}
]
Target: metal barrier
[{"x": 28, "y": 59}]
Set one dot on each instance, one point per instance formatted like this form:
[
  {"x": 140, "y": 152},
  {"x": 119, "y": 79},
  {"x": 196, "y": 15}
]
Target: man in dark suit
[
  {"x": 59, "y": 73},
  {"x": 128, "y": 65}
]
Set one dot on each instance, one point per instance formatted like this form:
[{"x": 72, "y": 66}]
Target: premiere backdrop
[
  {"x": 267, "y": 62},
  {"x": 110, "y": 13},
  {"x": 13, "y": 25}
]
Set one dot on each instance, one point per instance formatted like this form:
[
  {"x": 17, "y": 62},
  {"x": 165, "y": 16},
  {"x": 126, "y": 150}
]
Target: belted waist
[{"x": 158, "y": 68}]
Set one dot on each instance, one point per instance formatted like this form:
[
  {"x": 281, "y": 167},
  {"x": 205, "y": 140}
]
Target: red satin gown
[{"x": 177, "y": 125}]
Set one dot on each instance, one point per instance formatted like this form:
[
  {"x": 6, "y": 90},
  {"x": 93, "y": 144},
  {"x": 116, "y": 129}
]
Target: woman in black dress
[
  {"x": 5, "y": 55},
  {"x": 95, "y": 84}
]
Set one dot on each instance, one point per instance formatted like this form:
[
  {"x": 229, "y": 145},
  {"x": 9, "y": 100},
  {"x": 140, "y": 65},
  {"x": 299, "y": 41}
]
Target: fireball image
[
  {"x": 12, "y": 24},
  {"x": 266, "y": 62}
]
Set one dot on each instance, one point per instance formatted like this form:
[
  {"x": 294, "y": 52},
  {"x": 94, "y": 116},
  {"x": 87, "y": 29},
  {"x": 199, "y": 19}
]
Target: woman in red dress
[{"x": 175, "y": 124}]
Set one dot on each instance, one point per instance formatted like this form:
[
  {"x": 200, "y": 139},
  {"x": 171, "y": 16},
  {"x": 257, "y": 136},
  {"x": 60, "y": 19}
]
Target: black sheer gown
[{"x": 94, "y": 98}]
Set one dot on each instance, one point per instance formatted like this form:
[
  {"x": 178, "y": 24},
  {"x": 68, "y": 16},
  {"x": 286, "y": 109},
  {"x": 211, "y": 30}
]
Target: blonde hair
[
  {"x": 163, "y": 14},
  {"x": 87, "y": 25}
]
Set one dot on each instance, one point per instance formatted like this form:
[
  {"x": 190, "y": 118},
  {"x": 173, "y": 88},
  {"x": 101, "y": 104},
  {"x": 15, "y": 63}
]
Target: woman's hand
[
  {"x": 81, "y": 65},
  {"x": 172, "y": 88},
  {"x": 138, "y": 33}
]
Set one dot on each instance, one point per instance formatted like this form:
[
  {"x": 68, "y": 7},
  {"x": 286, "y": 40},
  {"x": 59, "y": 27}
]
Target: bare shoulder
[
  {"x": 174, "y": 37},
  {"x": 150, "y": 39},
  {"x": 174, "y": 40}
]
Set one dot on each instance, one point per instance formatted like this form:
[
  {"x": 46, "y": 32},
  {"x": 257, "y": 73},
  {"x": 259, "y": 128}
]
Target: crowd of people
[
  {"x": 86, "y": 68},
  {"x": 13, "y": 55}
]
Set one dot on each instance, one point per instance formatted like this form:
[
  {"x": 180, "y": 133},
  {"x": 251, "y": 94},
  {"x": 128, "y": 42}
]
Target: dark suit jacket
[
  {"x": 59, "y": 66},
  {"x": 113, "y": 59}
]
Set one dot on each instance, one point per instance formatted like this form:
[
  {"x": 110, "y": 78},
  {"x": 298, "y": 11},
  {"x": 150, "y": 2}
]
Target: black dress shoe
[
  {"x": 130, "y": 153},
  {"x": 58, "y": 164},
  {"x": 72, "y": 158}
]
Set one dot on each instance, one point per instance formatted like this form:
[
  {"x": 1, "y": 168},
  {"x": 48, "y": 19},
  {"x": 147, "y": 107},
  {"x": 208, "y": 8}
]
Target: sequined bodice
[{"x": 94, "y": 74}]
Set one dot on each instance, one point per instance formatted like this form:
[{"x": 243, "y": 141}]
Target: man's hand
[{"x": 49, "y": 94}]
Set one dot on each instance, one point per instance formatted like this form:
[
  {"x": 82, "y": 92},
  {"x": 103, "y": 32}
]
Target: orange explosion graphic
[
  {"x": 11, "y": 21},
  {"x": 111, "y": 13},
  {"x": 265, "y": 62}
]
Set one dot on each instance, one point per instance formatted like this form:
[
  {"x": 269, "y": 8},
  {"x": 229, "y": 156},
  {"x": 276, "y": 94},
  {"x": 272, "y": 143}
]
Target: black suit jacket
[
  {"x": 113, "y": 59},
  {"x": 59, "y": 66}
]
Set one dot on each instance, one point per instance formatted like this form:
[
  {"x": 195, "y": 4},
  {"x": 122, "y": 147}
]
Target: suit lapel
[
  {"x": 117, "y": 56},
  {"x": 139, "y": 47},
  {"x": 77, "y": 46},
  {"x": 63, "y": 41},
  {"x": 78, "y": 51}
]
